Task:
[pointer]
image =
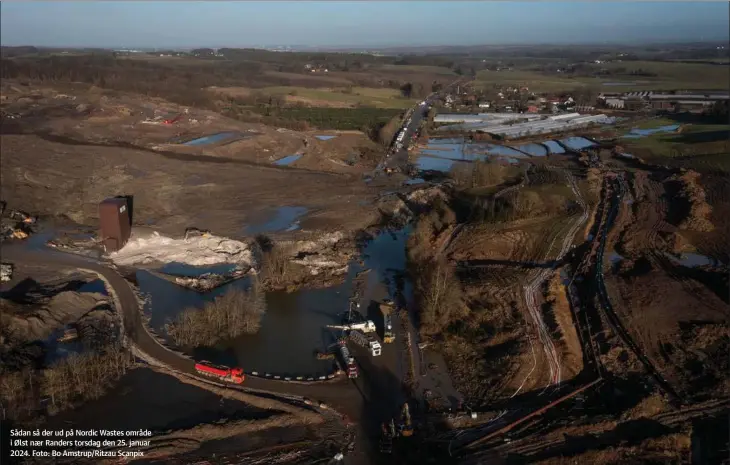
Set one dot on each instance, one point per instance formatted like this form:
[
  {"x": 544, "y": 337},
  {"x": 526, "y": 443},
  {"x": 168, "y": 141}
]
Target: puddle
[
  {"x": 95, "y": 286},
  {"x": 636, "y": 133},
  {"x": 293, "y": 327},
  {"x": 693, "y": 260},
  {"x": 615, "y": 257},
  {"x": 414, "y": 181},
  {"x": 625, "y": 155},
  {"x": 39, "y": 240},
  {"x": 536, "y": 150},
  {"x": 577, "y": 143},
  {"x": 284, "y": 219},
  {"x": 288, "y": 160},
  {"x": 56, "y": 351},
  {"x": 554, "y": 147},
  {"x": 189, "y": 271},
  {"x": 325, "y": 137},
  {"x": 213, "y": 138}
]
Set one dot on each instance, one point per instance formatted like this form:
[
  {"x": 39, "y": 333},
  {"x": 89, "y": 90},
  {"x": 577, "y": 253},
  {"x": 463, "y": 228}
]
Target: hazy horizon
[{"x": 356, "y": 24}]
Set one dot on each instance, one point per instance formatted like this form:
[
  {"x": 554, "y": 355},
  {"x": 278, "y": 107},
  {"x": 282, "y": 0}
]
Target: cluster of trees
[
  {"x": 234, "y": 313},
  {"x": 75, "y": 379},
  {"x": 437, "y": 288},
  {"x": 277, "y": 270}
]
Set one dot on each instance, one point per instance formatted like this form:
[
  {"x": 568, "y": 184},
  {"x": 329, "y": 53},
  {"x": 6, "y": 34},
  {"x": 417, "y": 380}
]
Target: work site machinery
[
  {"x": 388, "y": 334},
  {"x": 406, "y": 429},
  {"x": 369, "y": 341},
  {"x": 386, "y": 440}
]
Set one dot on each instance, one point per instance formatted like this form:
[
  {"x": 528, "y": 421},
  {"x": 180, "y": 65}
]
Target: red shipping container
[{"x": 114, "y": 223}]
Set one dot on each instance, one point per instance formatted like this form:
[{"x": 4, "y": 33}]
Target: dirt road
[{"x": 137, "y": 333}]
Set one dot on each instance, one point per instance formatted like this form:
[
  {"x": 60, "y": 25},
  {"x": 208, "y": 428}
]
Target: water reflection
[{"x": 293, "y": 327}]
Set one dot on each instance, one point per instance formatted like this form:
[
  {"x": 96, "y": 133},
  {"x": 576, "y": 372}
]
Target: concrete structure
[{"x": 114, "y": 223}]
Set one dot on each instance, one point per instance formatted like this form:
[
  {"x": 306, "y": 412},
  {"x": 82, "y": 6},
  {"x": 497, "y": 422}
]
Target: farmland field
[
  {"x": 327, "y": 97},
  {"x": 662, "y": 76}
]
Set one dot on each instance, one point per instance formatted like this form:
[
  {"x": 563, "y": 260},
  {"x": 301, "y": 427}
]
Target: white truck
[{"x": 369, "y": 341}]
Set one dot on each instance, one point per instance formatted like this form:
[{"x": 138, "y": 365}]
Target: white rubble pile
[
  {"x": 6, "y": 272},
  {"x": 424, "y": 197},
  {"x": 323, "y": 256},
  {"x": 195, "y": 251}
]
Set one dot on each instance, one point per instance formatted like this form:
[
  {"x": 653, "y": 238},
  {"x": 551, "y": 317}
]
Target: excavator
[
  {"x": 406, "y": 426},
  {"x": 386, "y": 441}
]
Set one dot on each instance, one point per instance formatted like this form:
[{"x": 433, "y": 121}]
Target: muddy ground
[
  {"x": 37, "y": 305},
  {"x": 63, "y": 153},
  {"x": 666, "y": 361}
]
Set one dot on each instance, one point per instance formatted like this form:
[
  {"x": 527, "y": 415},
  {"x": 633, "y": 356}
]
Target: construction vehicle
[
  {"x": 388, "y": 334},
  {"x": 364, "y": 326},
  {"x": 222, "y": 373},
  {"x": 349, "y": 360},
  {"x": 369, "y": 341},
  {"x": 406, "y": 429},
  {"x": 386, "y": 440}
]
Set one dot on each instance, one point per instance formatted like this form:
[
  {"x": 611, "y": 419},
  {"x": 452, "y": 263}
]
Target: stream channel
[{"x": 293, "y": 328}]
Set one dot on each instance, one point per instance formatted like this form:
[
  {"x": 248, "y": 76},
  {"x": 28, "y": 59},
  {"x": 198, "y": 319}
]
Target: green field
[
  {"x": 332, "y": 97},
  {"x": 669, "y": 76},
  {"x": 419, "y": 69},
  {"x": 697, "y": 146}
]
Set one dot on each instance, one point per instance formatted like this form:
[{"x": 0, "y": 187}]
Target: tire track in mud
[
  {"x": 611, "y": 317},
  {"x": 669, "y": 419},
  {"x": 532, "y": 289}
]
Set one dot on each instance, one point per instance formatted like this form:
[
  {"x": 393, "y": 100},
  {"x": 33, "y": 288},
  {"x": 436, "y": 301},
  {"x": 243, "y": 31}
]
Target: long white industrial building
[{"x": 538, "y": 124}]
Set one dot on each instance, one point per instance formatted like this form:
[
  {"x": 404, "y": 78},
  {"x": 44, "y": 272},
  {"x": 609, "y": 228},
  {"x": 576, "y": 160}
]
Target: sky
[{"x": 148, "y": 24}]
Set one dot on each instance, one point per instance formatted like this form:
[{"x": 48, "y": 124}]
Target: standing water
[{"x": 293, "y": 328}]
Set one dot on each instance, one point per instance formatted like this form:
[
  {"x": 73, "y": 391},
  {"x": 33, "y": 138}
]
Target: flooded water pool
[
  {"x": 325, "y": 137},
  {"x": 95, "y": 286},
  {"x": 428, "y": 163},
  {"x": 693, "y": 260},
  {"x": 282, "y": 219},
  {"x": 57, "y": 351},
  {"x": 293, "y": 327},
  {"x": 554, "y": 147},
  {"x": 636, "y": 133},
  {"x": 536, "y": 150},
  {"x": 213, "y": 138},
  {"x": 577, "y": 143},
  {"x": 288, "y": 160}
]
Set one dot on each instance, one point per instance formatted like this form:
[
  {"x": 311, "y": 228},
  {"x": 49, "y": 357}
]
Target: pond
[
  {"x": 293, "y": 327},
  {"x": 637, "y": 133},
  {"x": 693, "y": 260},
  {"x": 324, "y": 137},
  {"x": 282, "y": 219},
  {"x": 536, "y": 150},
  {"x": 288, "y": 160},
  {"x": 427, "y": 163},
  {"x": 213, "y": 138},
  {"x": 554, "y": 147}
]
